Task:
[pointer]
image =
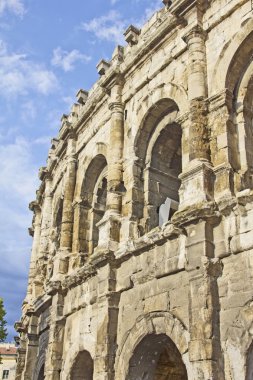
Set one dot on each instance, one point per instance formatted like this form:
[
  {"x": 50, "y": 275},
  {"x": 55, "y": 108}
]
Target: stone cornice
[
  {"x": 223, "y": 98},
  {"x": 181, "y": 7},
  {"x": 41, "y": 304},
  {"x": 79, "y": 276}
]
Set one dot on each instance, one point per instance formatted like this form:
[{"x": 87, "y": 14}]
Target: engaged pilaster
[
  {"x": 80, "y": 244},
  {"x": 197, "y": 181},
  {"x": 41, "y": 259},
  {"x": 61, "y": 260},
  {"x": 36, "y": 227},
  {"x": 109, "y": 226},
  {"x": 204, "y": 347},
  {"x": 53, "y": 363},
  {"x": 223, "y": 145},
  {"x": 32, "y": 348}
]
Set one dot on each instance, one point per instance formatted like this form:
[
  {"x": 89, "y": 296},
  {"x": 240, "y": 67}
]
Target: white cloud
[
  {"x": 18, "y": 182},
  {"x": 43, "y": 140},
  {"x": 18, "y": 175},
  {"x": 148, "y": 11},
  {"x": 152, "y": 8},
  {"x": 18, "y": 74},
  {"x": 114, "y": 2},
  {"x": 28, "y": 111},
  {"x": 109, "y": 27},
  {"x": 66, "y": 60},
  {"x": 14, "y": 6}
]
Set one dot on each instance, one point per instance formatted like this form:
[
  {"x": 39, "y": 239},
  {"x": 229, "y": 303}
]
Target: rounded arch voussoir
[{"x": 151, "y": 323}]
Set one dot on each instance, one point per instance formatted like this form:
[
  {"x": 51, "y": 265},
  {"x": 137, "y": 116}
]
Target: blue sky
[{"x": 48, "y": 51}]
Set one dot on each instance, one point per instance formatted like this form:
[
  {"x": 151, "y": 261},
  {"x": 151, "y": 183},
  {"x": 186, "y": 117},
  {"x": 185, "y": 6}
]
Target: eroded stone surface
[{"x": 111, "y": 294}]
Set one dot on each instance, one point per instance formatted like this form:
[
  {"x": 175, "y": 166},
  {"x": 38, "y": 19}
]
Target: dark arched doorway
[
  {"x": 41, "y": 375},
  {"x": 158, "y": 148},
  {"x": 83, "y": 367},
  {"x": 156, "y": 358},
  {"x": 94, "y": 196},
  {"x": 249, "y": 364}
]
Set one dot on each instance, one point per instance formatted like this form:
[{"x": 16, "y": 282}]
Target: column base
[
  {"x": 197, "y": 184},
  {"x": 61, "y": 263},
  {"x": 109, "y": 232}
]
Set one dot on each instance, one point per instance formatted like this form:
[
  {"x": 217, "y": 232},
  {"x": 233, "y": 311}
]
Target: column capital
[
  {"x": 116, "y": 107},
  {"x": 195, "y": 31}
]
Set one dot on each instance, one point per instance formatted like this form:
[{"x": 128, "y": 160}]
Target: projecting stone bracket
[
  {"x": 102, "y": 67},
  {"x": 131, "y": 35},
  {"x": 82, "y": 96}
]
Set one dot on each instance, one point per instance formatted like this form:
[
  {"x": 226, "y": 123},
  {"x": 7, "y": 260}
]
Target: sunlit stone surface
[{"x": 142, "y": 258}]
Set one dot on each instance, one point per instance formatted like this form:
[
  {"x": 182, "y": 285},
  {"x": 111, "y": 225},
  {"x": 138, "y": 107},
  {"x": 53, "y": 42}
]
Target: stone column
[
  {"x": 44, "y": 237},
  {"x": 196, "y": 178},
  {"x": 69, "y": 188},
  {"x": 81, "y": 225},
  {"x": 197, "y": 91},
  {"x": 21, "y": 356},
  {"x": 36, "y": 226},
  {"x": 32, "y": 348},
  {"x": 53, "y": 362},
  {"x": 61, "y": 259},
  {"x": 107, "y": 321},
  {"x": 109, "y": 226},
  {"x": 223, "y": 146},
  {"x": 115, "y": 184},
  {"x": 204, "y": 347},
  {"x": 245, "y": 156}
]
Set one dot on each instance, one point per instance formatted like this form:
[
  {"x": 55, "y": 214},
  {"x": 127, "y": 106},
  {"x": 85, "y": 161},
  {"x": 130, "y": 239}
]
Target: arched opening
[
  {"x": 82, "y": 368},
  {"x": 156, "y": 357},
  {"x": 98, "y": 206},
  {"x": 41, "y": 375},
  {"x": 243, "y": 115},
  {"x": 57, "y": 221},
  {"x": 158, "y": 147},
  {"x": 249, "y": 363},
  {"x": 162, "y": 176},
  {"x": 239, "y": 81},
  {"x": 94, "y": 195}
]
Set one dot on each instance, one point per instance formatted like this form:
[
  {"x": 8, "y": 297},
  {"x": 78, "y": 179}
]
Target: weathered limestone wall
[{"x": 141, "y": 263}]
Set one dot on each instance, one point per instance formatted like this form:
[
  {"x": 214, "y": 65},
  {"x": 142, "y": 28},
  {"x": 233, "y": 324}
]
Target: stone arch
[
  {"x": 236, "y": 62},
  {"x": 87, "y": 345},
  {"x": 241, "y": 42},
  {"x": 57, "y": 220},
  {"x": 155, "y": 324},
  {"x": 83, "y": 367},
  {"x": 243, "y": 116},
  {"x": 158, "y": 148},
  {"x": 99, "y": 149},
  {"x": 155, "y": 358},
  {"x": 39, "y": 369},
  {"x": 163, "y": 91},
  {"x": 239, "y": 344},
  {"x": 41, "y": 375},
  {"x": 152, "y": 117},
  {"x": 249, "y": 363},
  {"x": 93, "y": 197},
  {"x": 39, "y": 372}
]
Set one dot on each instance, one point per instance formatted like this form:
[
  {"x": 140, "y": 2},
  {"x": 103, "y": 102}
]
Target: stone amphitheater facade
[{"x": 142, "y": 257}]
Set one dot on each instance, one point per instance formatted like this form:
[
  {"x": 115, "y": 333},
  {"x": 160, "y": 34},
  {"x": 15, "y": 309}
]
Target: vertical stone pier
[
  {"x": 109, "y": 226},
  {"x": 64, "y": 255}
]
